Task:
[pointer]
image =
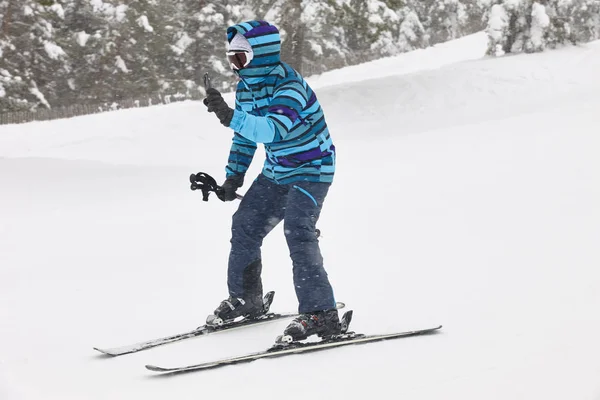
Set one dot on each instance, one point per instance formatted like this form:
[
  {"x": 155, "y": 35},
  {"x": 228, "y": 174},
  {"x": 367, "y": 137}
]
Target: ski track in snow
[{"x": 466, "y": 195}]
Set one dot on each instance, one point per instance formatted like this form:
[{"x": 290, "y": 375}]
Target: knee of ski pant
[
  {"x": 247, "y": 228},
  {"x": 300, "y": 229},
  {"x": 241, "y": 223}
]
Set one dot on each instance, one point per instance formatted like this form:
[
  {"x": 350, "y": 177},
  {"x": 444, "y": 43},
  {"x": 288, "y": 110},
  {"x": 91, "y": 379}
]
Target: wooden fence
[{"x": 44, "y": 114}]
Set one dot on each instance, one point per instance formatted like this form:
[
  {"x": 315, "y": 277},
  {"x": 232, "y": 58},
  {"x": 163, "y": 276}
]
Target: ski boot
[
  {"x": 232, "y": 308},
  {"x": 324, "y": 324}
]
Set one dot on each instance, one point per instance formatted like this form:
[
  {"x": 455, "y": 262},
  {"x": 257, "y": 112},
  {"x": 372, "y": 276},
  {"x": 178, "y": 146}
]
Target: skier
[{"x": 275, "y": 106}]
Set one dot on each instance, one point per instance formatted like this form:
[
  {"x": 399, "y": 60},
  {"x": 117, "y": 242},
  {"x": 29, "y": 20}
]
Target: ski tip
[
  {"x": 432, "y": 330},
  {"x": 112, "y": 353},
  {"x": 155, "y": 368},
  {"x": 106, "y": 352},
  {"x": 339, "y": 305}
]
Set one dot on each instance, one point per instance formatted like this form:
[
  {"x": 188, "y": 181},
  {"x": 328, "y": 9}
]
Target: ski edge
[
  {"x": 273, "y": 353},
  {"x": 119, "y": 351},
  {"x": 134, "y": 348}
]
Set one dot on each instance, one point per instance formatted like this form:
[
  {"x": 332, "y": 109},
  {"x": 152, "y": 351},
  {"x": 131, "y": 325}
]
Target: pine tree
[
  {"x": 325, "y": 46},
  {"x": 360, "y": 31},
  {"x": 204, "y": 40},
  {"x": 399, "y": 27},
  {"x": 62, "y": 52},
  {"x": 293, "y": 31},
  {"x": 14, "y": 95},
  {"x": 386, "y": 19},
  {"x": 475, "y": 16},
  {"x": 538, "y": 29},
  {"x": 104, "y": 49},
  {"x": 311, "y": 40},
  {"x": 530, "y": 26},
  {"x": 134, "y": 62},
  {"x": 33, "y": 62},
  {"x": 508, "y": 26},
  {"x": 585, "y": 20},
  {"x": 447, "y": 20},
  {"x": 412, "y": 33},
  {"x": 80, "y": 35}
]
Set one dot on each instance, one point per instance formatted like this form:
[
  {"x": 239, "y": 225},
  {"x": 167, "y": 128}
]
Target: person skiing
[{"x": 275, "y": 106}]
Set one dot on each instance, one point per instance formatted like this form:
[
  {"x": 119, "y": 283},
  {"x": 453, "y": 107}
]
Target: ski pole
[{"x": 203, "y": 181}]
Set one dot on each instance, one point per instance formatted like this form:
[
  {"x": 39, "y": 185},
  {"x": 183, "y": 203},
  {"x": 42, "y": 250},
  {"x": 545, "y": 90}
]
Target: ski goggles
[{"x": 239, "y": 59}]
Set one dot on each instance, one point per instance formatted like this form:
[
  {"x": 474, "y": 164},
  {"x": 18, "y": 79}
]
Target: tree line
[{"x": 56, "y": 53}]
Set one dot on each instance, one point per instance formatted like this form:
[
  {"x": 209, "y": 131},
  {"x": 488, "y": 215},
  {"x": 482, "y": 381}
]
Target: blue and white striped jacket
[{"x": 275, "y": 106}]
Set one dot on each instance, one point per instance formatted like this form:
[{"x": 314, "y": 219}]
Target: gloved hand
[
  {"x": 227, "y": 191},
  {"x": 215, "y": 103}
]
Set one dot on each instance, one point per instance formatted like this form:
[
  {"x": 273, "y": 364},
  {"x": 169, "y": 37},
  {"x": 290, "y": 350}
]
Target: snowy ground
[{"x": 468, "y": 194}]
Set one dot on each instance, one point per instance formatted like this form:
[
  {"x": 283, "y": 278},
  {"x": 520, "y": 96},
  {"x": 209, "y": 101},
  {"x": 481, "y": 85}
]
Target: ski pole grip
[
  {"x": 204, "y": 182},
  {"x": 207, "y": 81}
]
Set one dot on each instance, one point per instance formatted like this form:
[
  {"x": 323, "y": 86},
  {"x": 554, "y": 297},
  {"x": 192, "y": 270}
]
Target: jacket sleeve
[
  {"x": 241, "y": 154},
  {"x": 284, "y": 111}
]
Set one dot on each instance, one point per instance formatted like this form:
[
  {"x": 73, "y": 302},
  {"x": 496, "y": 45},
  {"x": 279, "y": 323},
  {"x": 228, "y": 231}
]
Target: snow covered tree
[
  {"x": 530, "y": 26},
  {"x": 312, "y": 39},
  {"x": 497, "y": 30},
  {"x": 102, "y": 46},
  {"x": 412, "y": 33},
  {"x": 446, "y": 20},
  {"x": 32, "y": 60},
  {"x": 361, "y": 28},
  {"x": 509, "y": 26},
  {"x": 81, "y": 37},
  {"x": 201, "y": 43},
  {"x": 475, "y": 16},
  {"x": 134, "y": 64},
  {"x": 324, "y": 39},
  {"x": 585, "y": 19},
  {"x": 293, "y": 30},
  {"x": 385, "y": 25},
  {"x": 62, "y": 52},
  {"x": 14, "y": 92},
  {"x": 381, "y": 28},
  {"x": 538, "y": 29}
]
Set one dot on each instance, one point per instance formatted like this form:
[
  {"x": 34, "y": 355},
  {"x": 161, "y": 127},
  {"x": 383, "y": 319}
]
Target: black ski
[
  {"x": 203, "y": 330},
  {"x": 279, "y": 349}
]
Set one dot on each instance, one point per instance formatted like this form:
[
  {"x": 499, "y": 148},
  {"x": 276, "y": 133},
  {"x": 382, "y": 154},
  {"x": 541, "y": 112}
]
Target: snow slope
[{"x": 467, "y": 195}]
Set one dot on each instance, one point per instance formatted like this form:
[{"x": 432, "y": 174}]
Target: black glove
[
  {"x": 227, "y": 191},
  {"x": 215, "y": 103}
]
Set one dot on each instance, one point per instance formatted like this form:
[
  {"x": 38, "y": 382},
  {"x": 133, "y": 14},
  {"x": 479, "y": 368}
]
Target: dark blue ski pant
[{"x": 265, "y": 205}]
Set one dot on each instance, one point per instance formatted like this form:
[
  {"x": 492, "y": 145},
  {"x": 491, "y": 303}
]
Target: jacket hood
[{"x": 266, "y": 45}]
